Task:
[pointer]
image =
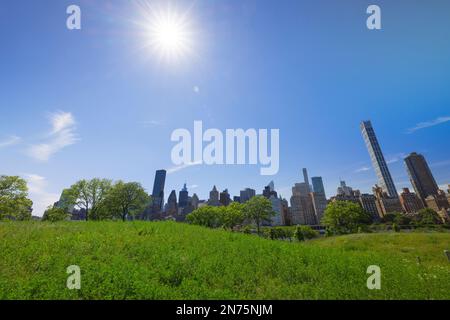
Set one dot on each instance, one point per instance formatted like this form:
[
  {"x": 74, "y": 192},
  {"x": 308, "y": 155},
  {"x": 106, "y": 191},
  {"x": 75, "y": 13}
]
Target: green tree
[
  {"x": 126, "y": 199},
  {"x": 398, "y": 218},
  {"x": 428, "y": 216},
  {"x": 206, "y": 216},
  {"x": 88, "y": 195},
  {"x": 343, "y": 217},
  {"x": 14, "y": 202},
  {"x": 55, "y": 214},
  {"x": 232, "y": 215},
  {"x": 258, "y": 210}
]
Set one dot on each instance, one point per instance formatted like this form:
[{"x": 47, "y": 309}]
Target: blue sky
[{"x": 96, "y": 103}]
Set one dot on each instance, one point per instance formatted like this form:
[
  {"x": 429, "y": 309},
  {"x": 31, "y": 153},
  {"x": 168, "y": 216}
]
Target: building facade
[
  {"x": 318, "y": 187},
  {"x": 378, "y": 161},
  {"x": 410, "y": 201},
  {"x": 247, "y": 194},
  {"x": 385, "y": 203},
  {"x": 214, "y": 198},
  {"x": 420, "y": 175}
]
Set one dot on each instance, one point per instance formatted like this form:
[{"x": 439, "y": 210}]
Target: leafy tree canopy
[
  {"x": 14, "y": 202},
  {"x": 343, "y": 217}
]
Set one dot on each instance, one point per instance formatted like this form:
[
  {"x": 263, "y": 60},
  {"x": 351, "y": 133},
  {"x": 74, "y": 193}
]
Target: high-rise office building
[
  {"x": 385, "y": 203},
  {"x": 183, "y": 197},
  {"x": 268, "y": 192},
  {"x": 225, "y": 198},
  {"x": 158, "y": 191},
  {"x": 172, "y": 205},
  {"x": 410, "y": 201},
  {"x": 214, "y": 198},
  {"x": 420, "y": 175},
  {"x": 247, "y": 194},
  {"x": 306, "y": 179},
  {"x": 318, "y": 187},
  {"x": 369, "y": 203},
  {"x": 302, "y": 208},
  {"x": 344, "y": 190},
  {"x": 195, "y": 201},
  {"x": 378, "y": 161},
  {"x": 319, "y": 204}
]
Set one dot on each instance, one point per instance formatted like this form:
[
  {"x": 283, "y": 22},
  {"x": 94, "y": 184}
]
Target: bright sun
[{"x": 169, "y": 34}]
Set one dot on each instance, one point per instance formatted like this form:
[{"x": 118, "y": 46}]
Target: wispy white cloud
[
  {"x": 362, "y": 169},
  {"x": 10, "y": 141},
  {"x": 194, "y": 186},
  {"x": 395, "y": 158},
  {"x": 62, "y": 134},
  {"x": 428, "y": 124},
  {"x": 182, "y": 167},
  {"x": 440, "y": 163},
  {"x": 41, "y": 198}
]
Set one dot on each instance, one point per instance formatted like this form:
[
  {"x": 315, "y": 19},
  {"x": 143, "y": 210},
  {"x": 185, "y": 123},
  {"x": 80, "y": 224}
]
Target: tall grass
[{"x": 176, "y": 261}]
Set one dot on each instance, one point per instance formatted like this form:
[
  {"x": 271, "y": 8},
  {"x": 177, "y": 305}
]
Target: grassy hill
[{"x": 177, "y": 261}]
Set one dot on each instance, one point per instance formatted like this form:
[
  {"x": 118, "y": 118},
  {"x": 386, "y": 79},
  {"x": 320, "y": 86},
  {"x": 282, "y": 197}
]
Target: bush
[
  {"x": 396, "y": 227},
  {"x": 298, "y": 234},
  {"x": 426, "y": 217},
  {"x": 54, "y": 214}
]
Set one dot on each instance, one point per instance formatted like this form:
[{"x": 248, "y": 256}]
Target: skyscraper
[
  {"x": 378, "y": 161},
  {"x": 420, "y": 175},
  {"x": 247, "y": 194},
  {"x": 305, "y": 178},
  {"x": 410, "y": 201},
  {"x": 214, "y": 198},
  {"x": 318, "y": 187},
  {"x": 172, "y": 206},
  {"x": 302, "y": 208},
  {"x": 153, "y": 211},
  {"x": 183, "y": 197},
  {"x": 224, "y": 198},
  {"x": 158, "y": 189}
]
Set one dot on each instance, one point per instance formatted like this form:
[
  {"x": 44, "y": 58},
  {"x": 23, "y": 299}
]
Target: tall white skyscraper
[{"x": 378, "y": 161}]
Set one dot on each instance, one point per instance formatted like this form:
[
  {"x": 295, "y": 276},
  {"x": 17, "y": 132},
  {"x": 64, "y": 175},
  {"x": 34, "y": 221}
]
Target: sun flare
[{"x": 169, "y": 34}]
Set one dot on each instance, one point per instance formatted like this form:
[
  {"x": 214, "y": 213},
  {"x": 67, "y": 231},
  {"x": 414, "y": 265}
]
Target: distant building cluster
[{"x": 308, "y": 201}]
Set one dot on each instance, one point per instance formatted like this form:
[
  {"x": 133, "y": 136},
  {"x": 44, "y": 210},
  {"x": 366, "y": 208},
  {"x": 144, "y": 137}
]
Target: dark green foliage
[
  {"x": 344, "y": 217},
  {"x": 256, "y": 210},
  {"x": 398, "y": 218},
  {"x": 54, "y": 214},
  {"x": 427, "y": 217}
]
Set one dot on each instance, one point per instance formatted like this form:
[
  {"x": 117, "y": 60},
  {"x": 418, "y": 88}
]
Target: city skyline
[{"x": 93, "y": 103}]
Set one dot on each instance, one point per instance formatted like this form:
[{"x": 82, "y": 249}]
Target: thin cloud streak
[
  {"x": 428, "y": 124},
  {"x": 182, "y": 167},
  {"x": 12, "y": 140}
]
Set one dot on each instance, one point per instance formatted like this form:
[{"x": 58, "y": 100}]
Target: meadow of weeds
[{"x": 167, "y": 260}]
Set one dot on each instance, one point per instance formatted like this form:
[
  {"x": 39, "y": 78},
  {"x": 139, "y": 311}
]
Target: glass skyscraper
[
  {"x": 317, "y": 183},
  {"x": 379, "y": 163},
  {"x": 158, "y": 190},
  {"x": 420, "y": 175}
]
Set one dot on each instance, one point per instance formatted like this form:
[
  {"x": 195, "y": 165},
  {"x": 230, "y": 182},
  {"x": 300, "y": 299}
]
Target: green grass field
[{"x": 177, "y": 261}]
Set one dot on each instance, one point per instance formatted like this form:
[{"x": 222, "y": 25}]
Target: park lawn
[{"x": 167, "y": 260}]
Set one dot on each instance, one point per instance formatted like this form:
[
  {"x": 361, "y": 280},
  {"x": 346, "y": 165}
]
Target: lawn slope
[{"x": 177, "y": 261}]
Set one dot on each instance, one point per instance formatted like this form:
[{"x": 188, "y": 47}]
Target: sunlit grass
[{"x": 178, "y": 261}]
